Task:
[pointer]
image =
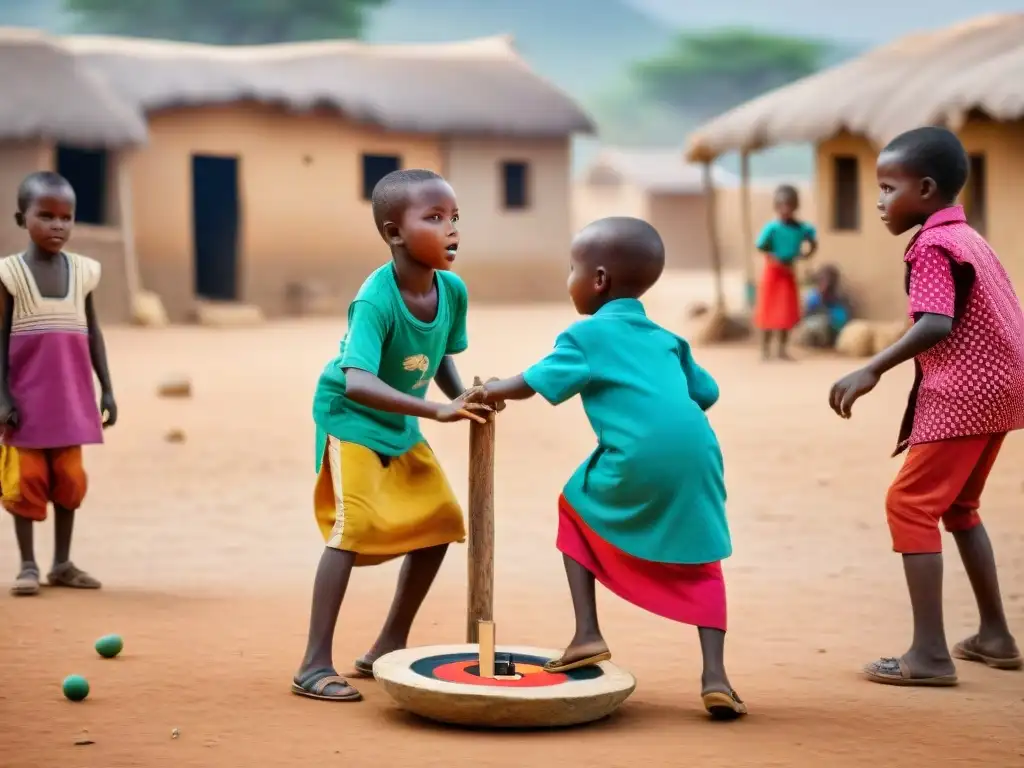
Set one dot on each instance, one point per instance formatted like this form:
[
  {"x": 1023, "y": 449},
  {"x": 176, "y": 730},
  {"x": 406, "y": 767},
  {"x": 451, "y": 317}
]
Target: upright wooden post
[
  {"x": 480, "y": 599},
  {"x": 747, "y": 227},
  {"x": 711, "y": 205}
]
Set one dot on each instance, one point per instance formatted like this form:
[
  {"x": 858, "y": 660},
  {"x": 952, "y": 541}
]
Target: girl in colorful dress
[
  {"x": 51, "y": 344},
  {"x": 967, "y": 344},
  {"x": 645, "y": 513},
  {"x": 782, "y": 241}
]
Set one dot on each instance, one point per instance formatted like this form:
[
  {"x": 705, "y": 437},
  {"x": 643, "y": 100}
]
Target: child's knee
[
  {"x": 70, "y": 482},
  {"x": 914, "y": 530},
  {"x": 961, "y": 518}
]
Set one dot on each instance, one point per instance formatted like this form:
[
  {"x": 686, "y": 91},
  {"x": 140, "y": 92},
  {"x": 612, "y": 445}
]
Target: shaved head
[{"x": 629, "y": 249}]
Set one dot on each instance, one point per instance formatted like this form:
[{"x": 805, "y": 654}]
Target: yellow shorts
[
  {"x": 32, "y": 478},
  {"x": 382, "y": 509}
]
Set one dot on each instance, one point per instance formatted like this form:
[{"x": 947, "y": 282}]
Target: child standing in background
[
  {"x": 645, "y": 513},
  {"x": 778, "y": 300},
  {"x": 50, "y": 344}
]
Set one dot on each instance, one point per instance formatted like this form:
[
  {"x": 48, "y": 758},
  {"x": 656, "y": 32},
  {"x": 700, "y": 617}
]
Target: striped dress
[{"x": 49, "y": 371}]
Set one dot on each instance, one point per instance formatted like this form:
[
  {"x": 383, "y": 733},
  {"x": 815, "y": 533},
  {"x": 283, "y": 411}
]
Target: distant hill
[{"x": 581, "y": 46}]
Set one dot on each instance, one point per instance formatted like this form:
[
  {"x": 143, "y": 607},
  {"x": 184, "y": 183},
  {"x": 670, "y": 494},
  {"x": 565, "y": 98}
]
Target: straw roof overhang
[
  {"x": 933, "y": 78},
  {"x": 659, "y": 171},
  {"x": 47, "y": 94},
  {"x": 475, "y": 87}
]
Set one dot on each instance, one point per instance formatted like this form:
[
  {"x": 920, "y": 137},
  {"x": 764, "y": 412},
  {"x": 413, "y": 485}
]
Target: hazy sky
[{"x": 860, "y": 20}]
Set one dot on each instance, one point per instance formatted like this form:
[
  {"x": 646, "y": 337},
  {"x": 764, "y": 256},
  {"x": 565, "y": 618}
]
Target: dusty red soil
[{"x": 207, "y": 550}]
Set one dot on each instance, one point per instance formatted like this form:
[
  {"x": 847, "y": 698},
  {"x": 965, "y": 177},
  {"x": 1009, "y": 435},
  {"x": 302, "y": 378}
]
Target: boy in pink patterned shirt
[{"x": 967, "y": 343}]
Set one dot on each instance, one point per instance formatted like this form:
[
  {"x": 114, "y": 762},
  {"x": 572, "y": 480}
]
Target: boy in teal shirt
[
  {"x": 645, "y": 513},
  {"x": 380, "y": 492}
]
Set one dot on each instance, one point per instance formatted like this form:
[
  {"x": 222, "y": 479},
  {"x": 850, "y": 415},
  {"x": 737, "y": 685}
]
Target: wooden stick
[
  {"x": 747, "y": 227},
  {"x": 716, "y": 244},
  {"x": 480, "y": 598},
  {"x": 488, "y": 639}
]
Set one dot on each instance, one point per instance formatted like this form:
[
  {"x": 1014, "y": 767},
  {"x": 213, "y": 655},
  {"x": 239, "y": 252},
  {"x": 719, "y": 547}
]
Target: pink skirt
[{"x": 691, "y": 594}]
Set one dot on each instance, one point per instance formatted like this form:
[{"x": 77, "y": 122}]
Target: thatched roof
[
  {"x": 929, "y": 78},
  {"x": 475, "y": 87},
  {"x": 46, "y": 93},
  {"x": 652, "y": 170}
]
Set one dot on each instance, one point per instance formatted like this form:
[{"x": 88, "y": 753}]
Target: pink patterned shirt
[{"x": 971, "y": 383}]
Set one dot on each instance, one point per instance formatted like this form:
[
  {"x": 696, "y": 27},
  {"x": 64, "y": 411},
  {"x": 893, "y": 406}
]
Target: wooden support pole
[
  {"x": 480, "y": 599},
  {"x": 711, "y": 207},
  {"x": 747, "y": 227}
]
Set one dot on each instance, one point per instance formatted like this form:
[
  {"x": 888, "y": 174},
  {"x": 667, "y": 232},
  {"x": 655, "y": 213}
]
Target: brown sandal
[
  {"x": 893, "y": 671},
  {"x": 313, "y": 684},
  {"x": 724, "y": 706},
  {"x": 561, "y": 665},
  {"x": 69, "y": 575},
  {"x": 967, "y": 651}
]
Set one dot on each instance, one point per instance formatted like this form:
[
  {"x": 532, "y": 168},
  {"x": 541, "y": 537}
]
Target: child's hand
[
  {"x": 8, "y": 414},
  {"x": 459, "y": 409},
  {"x": 851, "y": 388},
  {"x": 108, "y": 409},
  {"x": 478, "y": 394}
]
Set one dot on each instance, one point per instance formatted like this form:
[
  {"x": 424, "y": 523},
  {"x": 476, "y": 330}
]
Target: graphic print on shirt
[{"x": 419, "y": 363}]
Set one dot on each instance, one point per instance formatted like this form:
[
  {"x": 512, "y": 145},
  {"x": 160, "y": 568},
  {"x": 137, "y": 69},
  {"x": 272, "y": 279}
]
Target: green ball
[
  {"x": 109, "y": 646},
  {"x": 76, "y": 687}
]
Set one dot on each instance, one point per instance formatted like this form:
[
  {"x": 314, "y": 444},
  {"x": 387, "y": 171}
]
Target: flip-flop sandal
[
  {"x": 724, "y": 706},
  {"x": 560, "y": 665},
  {"x": 313, "y": 685},
  {"x": 965, "y": 652},
  {"x": 363, "y": 668},
  {"x": 27, "y": 583},
  {"x": 893, "y": 671},
  {"x": 71, "y": 576}
]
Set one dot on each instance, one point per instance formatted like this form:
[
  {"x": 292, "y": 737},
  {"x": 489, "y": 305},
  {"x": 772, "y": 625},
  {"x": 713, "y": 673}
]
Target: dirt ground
[{"x": 207, "y": 550}]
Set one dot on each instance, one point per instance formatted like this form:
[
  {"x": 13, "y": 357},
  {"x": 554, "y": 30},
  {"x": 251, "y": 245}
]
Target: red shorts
[
  {"x": 939, "y": 481},
  {"x": 32, "y": 478}
]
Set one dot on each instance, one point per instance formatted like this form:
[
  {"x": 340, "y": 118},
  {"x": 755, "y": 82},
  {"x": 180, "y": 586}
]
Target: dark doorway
[
  {"x": 215, "y": 213},
  {"x": 86, "y": 170}
]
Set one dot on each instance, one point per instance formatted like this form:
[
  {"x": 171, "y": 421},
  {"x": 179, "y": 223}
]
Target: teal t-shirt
[
  {"x": 655, "y": 485},
  {"x": 785, "y": 239},
  {"x": 385, "y": 339}
]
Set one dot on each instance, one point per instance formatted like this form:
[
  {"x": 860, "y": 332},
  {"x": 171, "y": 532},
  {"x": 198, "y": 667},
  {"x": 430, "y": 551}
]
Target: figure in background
[
  {"x": 783, "y": 240},
  {"x": 826, "y": 310}
]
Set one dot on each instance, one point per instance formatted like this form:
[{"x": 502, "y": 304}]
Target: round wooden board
[{"x": 572, "y": 702}]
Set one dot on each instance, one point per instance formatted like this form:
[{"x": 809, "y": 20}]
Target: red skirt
[
  {"x": 778, "y": 300},
  {"x": 691, "y": 594}
]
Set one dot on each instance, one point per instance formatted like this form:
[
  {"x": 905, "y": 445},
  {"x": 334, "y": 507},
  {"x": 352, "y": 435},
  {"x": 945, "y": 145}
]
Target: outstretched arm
[
  {"x": 498, "y": 391},
  {"x": 367, "y": 389}
]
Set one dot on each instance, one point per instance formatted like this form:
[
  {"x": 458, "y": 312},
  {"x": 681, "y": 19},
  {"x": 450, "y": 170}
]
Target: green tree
[
  {"x": 703, "y": 74},
  {"x": 228, "y": 22}
]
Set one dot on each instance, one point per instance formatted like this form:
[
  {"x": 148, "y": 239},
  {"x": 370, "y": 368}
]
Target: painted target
[
  {"x": 465, "y": 668},
  {"x": 443, "y": 683}
]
